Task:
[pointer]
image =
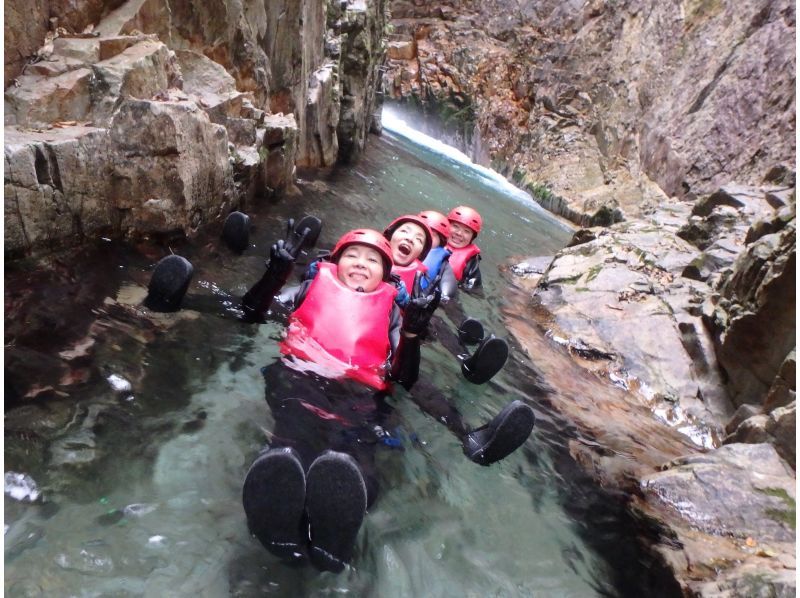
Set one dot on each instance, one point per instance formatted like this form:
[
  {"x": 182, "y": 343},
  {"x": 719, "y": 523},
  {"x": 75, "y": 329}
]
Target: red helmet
[
  {"x": 437, "y": 222},
  {"x": 370, "y": 238},
  {"x": 397, "y": 222},
  {"x": 468, "y": 217}
]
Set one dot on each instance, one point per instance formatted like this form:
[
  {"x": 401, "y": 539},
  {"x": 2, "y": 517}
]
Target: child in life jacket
[
  {"x": 465, "y": 224},
  {"x": 437, "y": 261},
  {"x": 410, "y": 240},
  {"x": 306, "y": 494}
]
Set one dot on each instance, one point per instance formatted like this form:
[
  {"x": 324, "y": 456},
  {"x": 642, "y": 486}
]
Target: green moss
[
  {"x": 263, "y": 152},
  {"x": 593, "y": 272},
  {"x": 567, "y": 280},
  {"x": 699, "y": 11},
  {"x": 789, "y": 515},
  {"x": 540, "y": 192}
]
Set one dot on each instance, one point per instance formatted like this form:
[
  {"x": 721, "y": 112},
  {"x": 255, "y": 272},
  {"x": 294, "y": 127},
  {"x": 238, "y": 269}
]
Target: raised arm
[
  {"x": 282, "y": 255},
  {"x": 417, "y": 316}
]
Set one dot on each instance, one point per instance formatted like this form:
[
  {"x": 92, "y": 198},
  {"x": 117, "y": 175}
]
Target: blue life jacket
[{"x": 434, "y": 261}]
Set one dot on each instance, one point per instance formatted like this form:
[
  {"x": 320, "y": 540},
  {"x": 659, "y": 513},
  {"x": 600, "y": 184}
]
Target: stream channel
[{"x": 138, "y": 489}]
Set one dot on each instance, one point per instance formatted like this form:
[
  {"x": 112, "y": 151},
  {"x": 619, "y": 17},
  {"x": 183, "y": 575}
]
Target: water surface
[{"x": 141, "y": 487}]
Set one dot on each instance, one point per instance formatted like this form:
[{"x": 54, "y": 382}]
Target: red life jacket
[
  {"x": 460, "y": 258},
  {"x": 338, "y": 332},
  {"x": 407, "y": 273}
]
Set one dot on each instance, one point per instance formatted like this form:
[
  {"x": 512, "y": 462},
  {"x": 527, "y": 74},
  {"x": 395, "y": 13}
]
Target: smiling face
[
  {"x": 360, "y": 268},
  {"x": 460, "y": 235},
  {"x": 407, "y": 243}
]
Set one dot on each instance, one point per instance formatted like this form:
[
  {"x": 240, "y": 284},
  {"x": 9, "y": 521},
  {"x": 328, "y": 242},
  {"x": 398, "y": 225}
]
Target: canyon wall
[{"x": 148, "y": 117}]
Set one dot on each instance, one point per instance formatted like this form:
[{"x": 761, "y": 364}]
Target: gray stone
[
  {"x": 782, "y": 391},
  {"x": 742, "y": 413},
  {"x": 755, "y": 327},
  {"x": 782, "y": 426},
  {"x": 743, "y": 490}
]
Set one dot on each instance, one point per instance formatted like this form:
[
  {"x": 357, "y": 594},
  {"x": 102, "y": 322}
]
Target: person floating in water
[
  {"x": 465, "y": 258},
  {"x": 437, "y": 261},
  {"x": 410, "y": 240},
  {"x": 306, "y": 494}
]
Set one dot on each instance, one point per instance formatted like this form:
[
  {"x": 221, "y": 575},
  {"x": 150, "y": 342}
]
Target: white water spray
[{"x": 394, "y": 124}]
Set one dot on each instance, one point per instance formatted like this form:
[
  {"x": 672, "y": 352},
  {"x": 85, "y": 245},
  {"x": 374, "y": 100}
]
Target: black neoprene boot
[
  {"x": 273, "y": 497},
  {"x": 236, "y": 231},
  {"x": 488, "y": 359},
  {"x": 169, "y": 283},
  {"x": 336, "y": 502},
  {"x": 314, "y": 226},
  {"x": 502, "y": 436},
  {"x": 470, "y": 332}
]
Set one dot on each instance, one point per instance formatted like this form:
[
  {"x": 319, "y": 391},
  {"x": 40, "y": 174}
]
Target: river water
[{"x": 139, "y": 488}]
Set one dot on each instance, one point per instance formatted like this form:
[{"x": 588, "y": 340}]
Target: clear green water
[{"x": 142, "y": 489}]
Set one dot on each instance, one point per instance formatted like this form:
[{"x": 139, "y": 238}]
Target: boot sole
[
  {"x": 470, "y": 332},
  {"x": 336, "y": 502},
  {"x": 169, "y": 283},
  {"x": 488, "y": 360},
  {"x": 273, "y": 497},
  {"x": 506, "y": 433},
  {"x": 236, "y": 231}
]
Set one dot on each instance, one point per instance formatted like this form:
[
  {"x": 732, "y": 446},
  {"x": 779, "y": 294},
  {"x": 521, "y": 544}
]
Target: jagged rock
[
  {"x": 753, "y": 430},
  {"x": 92, "y": 92},
  {"x": 175, "y": 174},
  {"x": 755, "y": 320},
  {"x": 596, "y": 290},
  {"x": 401, "y": 50},
  {"x": 770, "y": 224},
  {"x": 39, "y": 101},
  {"x": 783, "y": 428},
  {"x": 742, "y": 490},
  {"x": 743, "y": 413},
  {"x": 782, "y": 391},
  {"x": 753, "y": 581},
  {"x": 750, "y": 200},
  {"x": 720, "y": 255},
  {"x": 210, "y": 86},
  {"x": 280, "y": 141},
  {"x": 164, "y": 167},
  {"x": 358, "y": 32},
  {"x": 722, "y": 221},
  {"x": 318, "y": 148}
]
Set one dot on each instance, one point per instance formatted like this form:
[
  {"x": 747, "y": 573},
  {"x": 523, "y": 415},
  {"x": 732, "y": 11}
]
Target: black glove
[
  {"x": 283, "y": 253},
  {"x": 420, "y": 308}
]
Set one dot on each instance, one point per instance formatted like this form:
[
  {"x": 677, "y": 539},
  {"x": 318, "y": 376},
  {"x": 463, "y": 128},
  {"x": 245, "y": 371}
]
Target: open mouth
[{"x": 404, "y": 249}]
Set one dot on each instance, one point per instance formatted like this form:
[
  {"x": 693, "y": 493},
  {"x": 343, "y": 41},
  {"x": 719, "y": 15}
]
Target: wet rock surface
[
  {"x": 599, "y": 109},
  {"x": 630, "y": 304},
  {"x": 150, "y": 118}
]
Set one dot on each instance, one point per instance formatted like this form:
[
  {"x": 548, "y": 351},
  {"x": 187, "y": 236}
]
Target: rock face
[
  {"x": 689, "y": 309},
  {"x": 586, "y": 103},
  {"x": 160, "y": 117},
  {"x": 667, "y": 130}
]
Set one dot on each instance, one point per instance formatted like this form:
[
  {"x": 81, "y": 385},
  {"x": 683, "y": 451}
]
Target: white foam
[
  {"x": 20, "y": 486},
  {"x": 119, "y": 383},
  {"x": 394, "y": 123}
]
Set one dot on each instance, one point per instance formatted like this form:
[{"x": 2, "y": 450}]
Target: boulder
[
  {"x": 163, "y": 167},
  {"x": 743, "y": 490},
  {"x": 754, "y": 321},
  {"x": 631, "y": 272}
]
